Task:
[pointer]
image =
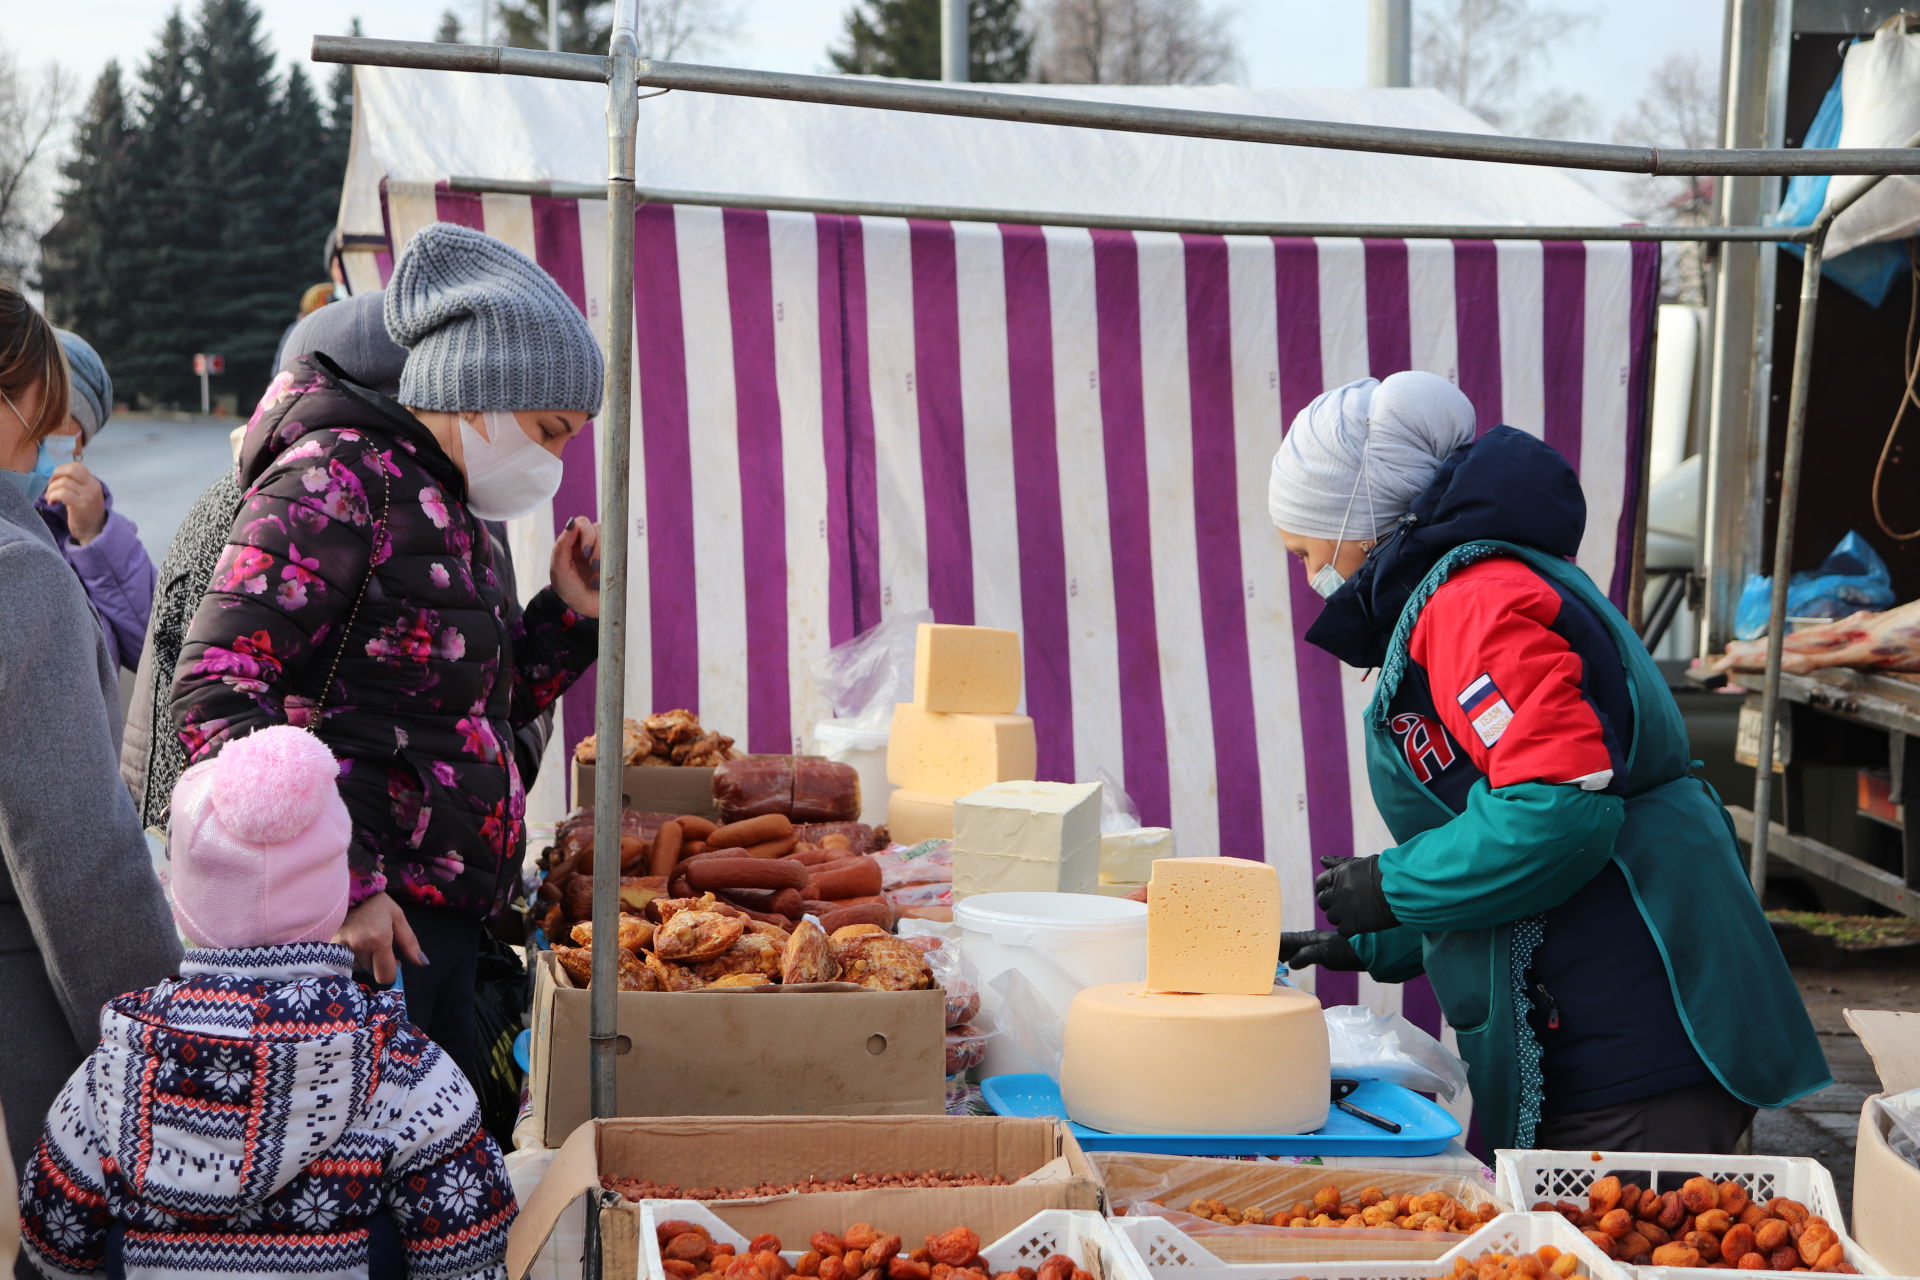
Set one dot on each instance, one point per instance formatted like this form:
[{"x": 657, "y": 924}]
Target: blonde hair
[
  {"x": 315, "y": 297},
  {"x": 31, "y": 356}
]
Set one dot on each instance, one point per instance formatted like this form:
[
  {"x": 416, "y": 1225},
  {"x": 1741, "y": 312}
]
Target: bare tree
[
  {"x": 667, "y": 28},
  {"x": 1680, "y": 108},
  {"x": 34, "y": 108},
  {"x": 1487, "y": 55},
  {"x": 1134, "y": 42}
]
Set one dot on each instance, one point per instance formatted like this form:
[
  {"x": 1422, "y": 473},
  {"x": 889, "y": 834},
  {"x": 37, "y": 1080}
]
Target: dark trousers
[
  {"x": 1702, "y": 1118},
  {"x": 440, "y": 995}
]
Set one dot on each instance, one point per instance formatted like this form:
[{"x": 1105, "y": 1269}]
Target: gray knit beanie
[
  {"x": 353, "y": 334},
  {"x": 92, "y": 399},
  {"x": 487, "y": 328}
]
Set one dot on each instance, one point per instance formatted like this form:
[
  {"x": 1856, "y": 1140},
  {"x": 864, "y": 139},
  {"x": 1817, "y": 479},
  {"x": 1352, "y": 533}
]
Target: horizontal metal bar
[
  {"x": 1832, "y": 865},
  {"x": 966, "y": 213},
  {"x": 1826, "y": 216},
  {"x": 1857, "y": 697},
  {"x": 428, "y": 55},
  {"x": 899, "y": 95}
]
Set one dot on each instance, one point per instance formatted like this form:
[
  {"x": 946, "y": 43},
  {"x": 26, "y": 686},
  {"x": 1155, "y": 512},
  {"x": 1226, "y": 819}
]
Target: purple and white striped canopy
[{"x": 1066, "y": 433}]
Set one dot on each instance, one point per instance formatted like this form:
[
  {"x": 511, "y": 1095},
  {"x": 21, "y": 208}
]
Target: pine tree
[
  {"x": 311, "y": 187},
  {"x": 80, "y": 256},
  {"x": 902, "y": 38},
  {"x": 340, "y": 108},
  {"x": 449, "y": 31},
  {"x": 585, "y": 25}
]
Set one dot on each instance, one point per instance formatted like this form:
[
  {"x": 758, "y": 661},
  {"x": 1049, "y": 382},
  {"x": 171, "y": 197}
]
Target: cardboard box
[
  {"x": 673, "y": 789},
  {"x": 736, "y": 1151},
  {"x": 832, "y": 1049},
  {"x": 1885, "y": 1185}
]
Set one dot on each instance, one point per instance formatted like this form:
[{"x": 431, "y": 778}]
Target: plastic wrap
[
  {"x": 807, "y": 789},
  {"x": 824, "y": 791},
  {"x": 1852, "y": 578},
  {"x": 929, "y": 862},
  {"x": 1385, "y": 1046},
  {"x": 1025, "y": 1017},
  {"x": 955, "y": 976},
  {"x": 865, "y": 677},
  {"x": 1903, "y": 1109},
  {"x": 863, "y": 838},
  {"x": 938, "y": 894},
  {"x": 1117, "y": 812},
  {"x": 1143, "y": 1185},
  {"x": 966, "y": 1047}
]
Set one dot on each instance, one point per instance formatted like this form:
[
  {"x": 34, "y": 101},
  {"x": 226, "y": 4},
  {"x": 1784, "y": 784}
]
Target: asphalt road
[{"x": 156, "y": 468}]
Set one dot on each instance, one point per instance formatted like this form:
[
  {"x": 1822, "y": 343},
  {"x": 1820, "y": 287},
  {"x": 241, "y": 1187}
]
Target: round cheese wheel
[{"x": 1140, "y": 1061}]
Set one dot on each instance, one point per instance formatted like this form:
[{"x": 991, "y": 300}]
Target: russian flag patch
[{"x": 1486, "y": 709}]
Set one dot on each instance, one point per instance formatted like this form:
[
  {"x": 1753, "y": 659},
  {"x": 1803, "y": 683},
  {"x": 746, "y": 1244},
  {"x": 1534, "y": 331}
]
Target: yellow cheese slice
[
  {"x": 971, "y": 670},
  {"x": 913, "y": 816},
  {"x": 952, "y": 755},
  {"x": 1213, "y": 926}
]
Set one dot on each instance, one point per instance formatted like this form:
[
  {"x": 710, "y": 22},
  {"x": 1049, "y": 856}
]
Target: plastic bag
[
  {"x": 1385, "y": 1046},
  {"x": 1853, "y": 577},
  {"x": 865, "y": 677},
  {"x": 955, "y": 976},
  {"x": 966, "y": 1048},
  {"x": 1025, "y": 1017},
  {"x": 929, "y": 862},
  {"x": 1116, "y": 806},
  {"x": 939, "y": 893},
  {"x": 1904, "y": 1110},
  {"x": 1868, "y": 272}
]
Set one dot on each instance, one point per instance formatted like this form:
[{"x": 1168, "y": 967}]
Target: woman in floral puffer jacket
[{"x": 358, "y": 596}]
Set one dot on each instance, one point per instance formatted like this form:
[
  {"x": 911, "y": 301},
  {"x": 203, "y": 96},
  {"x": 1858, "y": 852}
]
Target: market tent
[{"x": 1062, "y": 431}]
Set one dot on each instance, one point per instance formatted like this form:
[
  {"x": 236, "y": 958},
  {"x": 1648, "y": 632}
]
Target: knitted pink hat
[{"x": 259, "y": 843}]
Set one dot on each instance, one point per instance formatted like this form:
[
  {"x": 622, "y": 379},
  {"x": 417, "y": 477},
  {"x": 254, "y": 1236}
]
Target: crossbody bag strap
[{"x": 353, "y": 615}]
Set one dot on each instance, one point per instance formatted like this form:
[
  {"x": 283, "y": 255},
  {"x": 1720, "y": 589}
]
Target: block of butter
[
  {"x": 913, "y": 816},
  {"x": 1039, "y": 837},
  {"x": 1213, "y": 926},
  {"x": 971, "y": 670},
  {"x": 950, "y": 755},
  {"x": 1127, "y": 857}
]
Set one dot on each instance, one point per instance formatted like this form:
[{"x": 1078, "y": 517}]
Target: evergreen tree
[
  {"x": 902, "y": 38},
  {"x": 449, "y": 31},
  {"x": 80, "y": 256},
  {"x": 311, "y": 187},
  {"x": 585, "y": 25},
  {"x": 340, "y": 99},
  {"x": 665, "y": 28}
]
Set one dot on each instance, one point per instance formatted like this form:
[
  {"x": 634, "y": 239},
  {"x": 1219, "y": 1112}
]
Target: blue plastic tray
[{"x": 1425, "y": 1129}]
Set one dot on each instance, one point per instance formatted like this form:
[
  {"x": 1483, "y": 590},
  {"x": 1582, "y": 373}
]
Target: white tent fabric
[
  {"x": 1878, "y": 108},
  {"x": 427, "y": 126}
]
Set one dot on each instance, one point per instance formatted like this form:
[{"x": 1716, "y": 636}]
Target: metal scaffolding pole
[
  {"x": 891, "y": 95},
  {"x": 955, "y": 16}
]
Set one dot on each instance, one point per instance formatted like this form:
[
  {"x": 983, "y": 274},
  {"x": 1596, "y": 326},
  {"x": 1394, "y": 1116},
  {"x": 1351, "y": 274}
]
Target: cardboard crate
[
  {"x": 669, "y": 789},
  {"x": 1132, "y": 1178},
  {"x": 831, "y": 1049},
  {"x": 1051, "y": 1172},
  {"x": 1886, "y": 1184}
]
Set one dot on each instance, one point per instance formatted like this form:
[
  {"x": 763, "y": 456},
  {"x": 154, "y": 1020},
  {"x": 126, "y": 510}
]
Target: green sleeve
[
  {"x": 1394, "y": 955},
  {"x": 1513, "y": 852}
]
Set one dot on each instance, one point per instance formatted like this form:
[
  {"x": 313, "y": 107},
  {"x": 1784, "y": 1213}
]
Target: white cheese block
[
  {"x": 1213, "y": 926},
  {"x": 1140, "y": 1061},
  {"x": 1127, "y": 857},
  {"x": 1027, "y": 836}
]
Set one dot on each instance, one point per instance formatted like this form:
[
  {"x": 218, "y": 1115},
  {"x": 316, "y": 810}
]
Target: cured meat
[
  {"x": 824, "y": 791},
  {"x": 1888, "y": 641},
  {"x": 806, "y": 789}
]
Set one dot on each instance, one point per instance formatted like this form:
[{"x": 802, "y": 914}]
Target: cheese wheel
[{"x": 1140, "y": 1061}]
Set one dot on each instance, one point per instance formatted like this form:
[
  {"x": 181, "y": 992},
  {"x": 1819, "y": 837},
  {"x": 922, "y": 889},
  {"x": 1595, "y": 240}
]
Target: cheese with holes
[
  {"x": 952, "y": 755},
  {"x": 1127, "y": 857},
  {"x": 1140, "y": 1061},
  {"x": 973, "y": 670},
  {"x": 1213, "y": 926},
  {"x": 913, "y": 816},
  {"x": 1041, "y": 837}
]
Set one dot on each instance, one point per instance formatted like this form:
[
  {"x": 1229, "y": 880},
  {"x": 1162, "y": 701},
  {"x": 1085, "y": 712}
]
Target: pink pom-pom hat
[{"x": 259, "y": 843}]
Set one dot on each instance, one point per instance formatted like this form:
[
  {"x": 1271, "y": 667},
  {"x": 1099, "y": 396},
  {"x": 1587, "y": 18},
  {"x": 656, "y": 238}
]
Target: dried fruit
[
  {"x": 957, "y": 1248},
  {"x": 1604, "y": 1196},
  {"x": 1698, "y": 1195},
  {"x": 690, "y": 1245},
  {"x": 1616, "y": 1223},
  {"x": 1676, "y": 1255},
  {"x": 859, "y": 1236}
]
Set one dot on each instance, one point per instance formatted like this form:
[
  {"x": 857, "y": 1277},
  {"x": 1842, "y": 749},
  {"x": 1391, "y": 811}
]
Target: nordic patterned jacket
[
  {"x": 263, "y": 1115},
  {"x": 349, "y": 498}
]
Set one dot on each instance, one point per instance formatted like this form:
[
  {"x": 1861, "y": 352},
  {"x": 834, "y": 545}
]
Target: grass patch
[{"x": 1853, "y": 931}]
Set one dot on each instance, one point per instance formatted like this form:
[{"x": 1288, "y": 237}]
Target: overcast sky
[{"x": 1283, "y": 43}]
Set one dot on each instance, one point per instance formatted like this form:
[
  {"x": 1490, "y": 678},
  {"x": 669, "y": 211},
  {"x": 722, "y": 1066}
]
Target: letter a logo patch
[{"x": 1486, "y": 709}]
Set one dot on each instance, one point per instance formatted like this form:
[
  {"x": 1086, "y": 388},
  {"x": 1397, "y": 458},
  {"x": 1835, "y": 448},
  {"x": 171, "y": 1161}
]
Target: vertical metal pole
[
  {"x": 1783, "y": 554},
  {"x": 954, "y": 57},
  {"x": 553, "y": 25},
  {"x": 1390, "y": 44},
  {"x": 206, "y": 400}
]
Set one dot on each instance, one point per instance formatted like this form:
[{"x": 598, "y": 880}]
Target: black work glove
[
  {"x": 1324, "y": 947},
  {"x": 1350, "y": 895}
]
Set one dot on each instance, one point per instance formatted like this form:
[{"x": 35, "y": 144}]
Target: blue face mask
[{"x": 31, "y": 484}]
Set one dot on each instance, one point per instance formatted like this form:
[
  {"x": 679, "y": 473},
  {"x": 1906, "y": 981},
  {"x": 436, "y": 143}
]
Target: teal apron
[{"x": 1677, "y": 849}]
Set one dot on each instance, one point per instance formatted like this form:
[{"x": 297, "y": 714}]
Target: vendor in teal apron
[{"x": 1574, "y": 894}]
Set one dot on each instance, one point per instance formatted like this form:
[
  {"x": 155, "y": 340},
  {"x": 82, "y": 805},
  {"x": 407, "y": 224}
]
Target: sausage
[
  {"x": 875, "y": 912},
  {"x": 691, "y": 847},
  {"x": 748, "y": 899},
  {"x": 856, "y": 881},
  {"x": 819, "y": 906},
  {"x": 788, "y": 903},
  {"x": 813, "y": 855},
  {"x": 677, "y": 886},
  {"x": 694, "y": 827},
  {"x": 744, "y": 835},
  {"x": 773, "y": 848},
  {"x": 824, "y": 790},
  {"x": 714, "y": 873},
  {"x": 754, "y": 787},
  {"x": 666, "y": 850},
  {"x": 859, "y": 835}
]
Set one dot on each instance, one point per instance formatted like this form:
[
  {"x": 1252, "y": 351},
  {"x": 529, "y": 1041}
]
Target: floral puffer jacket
[{"x": 349, "y": 498}]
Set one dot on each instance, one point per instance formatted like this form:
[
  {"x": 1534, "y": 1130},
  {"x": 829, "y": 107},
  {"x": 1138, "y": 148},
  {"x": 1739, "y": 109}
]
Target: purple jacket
[{"x": 117, "y": 573}]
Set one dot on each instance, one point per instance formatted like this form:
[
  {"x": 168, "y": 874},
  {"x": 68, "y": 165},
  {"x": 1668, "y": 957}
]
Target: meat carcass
[{"x": 1888, "y": 641}]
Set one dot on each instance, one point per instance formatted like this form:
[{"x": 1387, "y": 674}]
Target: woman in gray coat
[{"x": 82, "y": 918}]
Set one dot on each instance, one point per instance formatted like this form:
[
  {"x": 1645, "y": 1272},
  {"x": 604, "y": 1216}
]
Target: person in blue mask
[{"x": 82, "y": 917}]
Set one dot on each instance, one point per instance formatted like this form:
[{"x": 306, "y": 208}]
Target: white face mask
[
  {"x": 508, "y": 475},
  {"x": 1327, "y": 579}
]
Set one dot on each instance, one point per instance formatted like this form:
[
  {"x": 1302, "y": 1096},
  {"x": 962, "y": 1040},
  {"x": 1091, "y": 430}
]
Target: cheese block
[
  {"x": 1213, "y": 926},
  {"x": 951, "y": 755},
  {"x": 1140, "y": 1061},
  {"x": 913, "y": 816},
  {"x": 974, "y": 670},
  {"x": 1027, "y": 836},
  {"x": 1127, "y": 857}
]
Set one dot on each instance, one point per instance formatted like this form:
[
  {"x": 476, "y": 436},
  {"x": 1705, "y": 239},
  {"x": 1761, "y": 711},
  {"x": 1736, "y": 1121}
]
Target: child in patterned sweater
[{"x": 261, "y": 1114}]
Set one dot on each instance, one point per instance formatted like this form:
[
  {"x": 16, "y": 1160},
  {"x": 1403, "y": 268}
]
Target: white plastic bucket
[
  {"x": 866, "y": 751},
  {"x": 1060, "y": 942}
]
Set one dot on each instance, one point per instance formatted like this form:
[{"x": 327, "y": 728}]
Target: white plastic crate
[
  {"x": 1167, "y": 1253},
  {"x": 1082, "y": 1235},
  {"x": 1528, "y": 1177}
]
